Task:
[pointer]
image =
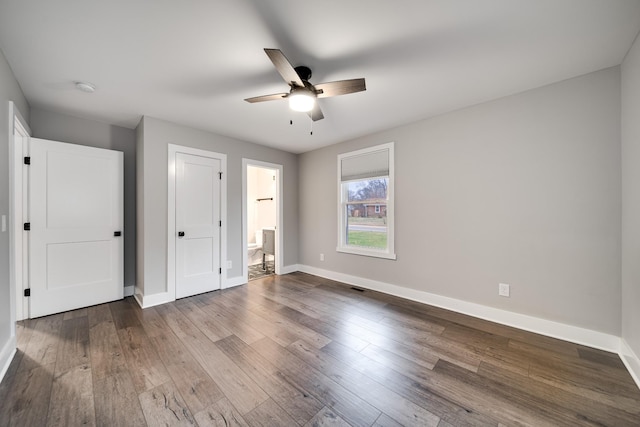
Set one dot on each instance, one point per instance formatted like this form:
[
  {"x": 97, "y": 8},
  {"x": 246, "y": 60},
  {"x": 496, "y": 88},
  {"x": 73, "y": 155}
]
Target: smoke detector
[{"x": 85, "y": 87}]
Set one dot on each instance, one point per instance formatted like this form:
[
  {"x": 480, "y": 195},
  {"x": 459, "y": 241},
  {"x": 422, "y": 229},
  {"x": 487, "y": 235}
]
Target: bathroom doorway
[{"x": 262, "y": 227}]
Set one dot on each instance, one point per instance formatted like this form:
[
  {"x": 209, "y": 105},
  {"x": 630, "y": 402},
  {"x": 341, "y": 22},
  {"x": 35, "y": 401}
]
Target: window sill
[{"x": 367, "y": 252}]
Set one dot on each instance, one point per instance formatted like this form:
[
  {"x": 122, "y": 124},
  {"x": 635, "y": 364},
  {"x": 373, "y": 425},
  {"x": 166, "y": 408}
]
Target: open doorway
[{"x": 262, "y": 227}]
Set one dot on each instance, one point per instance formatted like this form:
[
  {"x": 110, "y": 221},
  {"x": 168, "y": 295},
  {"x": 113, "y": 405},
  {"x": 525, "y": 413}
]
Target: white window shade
[{"x": 366, "y": 165}]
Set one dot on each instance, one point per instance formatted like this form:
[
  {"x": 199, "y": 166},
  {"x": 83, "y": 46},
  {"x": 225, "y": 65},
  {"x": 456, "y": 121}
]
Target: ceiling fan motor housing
[{"x": 303, "y": 72}]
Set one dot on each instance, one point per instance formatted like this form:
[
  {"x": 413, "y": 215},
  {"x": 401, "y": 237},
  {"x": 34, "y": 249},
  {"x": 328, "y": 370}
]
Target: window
[{"x": 365, "y": 205}]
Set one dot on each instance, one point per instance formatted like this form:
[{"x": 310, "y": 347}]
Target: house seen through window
[{"x": 366, "y": 220}]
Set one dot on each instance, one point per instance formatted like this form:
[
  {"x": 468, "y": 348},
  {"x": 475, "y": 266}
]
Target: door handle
[
  {"x": 117, "y": 233},
  {"x": 180, "y": 233}
]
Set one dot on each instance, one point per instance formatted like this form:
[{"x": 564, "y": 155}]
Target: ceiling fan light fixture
[{"x": 301, "y": 100}]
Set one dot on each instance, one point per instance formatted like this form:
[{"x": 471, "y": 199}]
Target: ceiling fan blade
[
  {"x": 341, "y": 87},
  {"x": 316, "y": 113},
  {"x": 273, "y": 97},
  {"x": 284, "y": 67}
]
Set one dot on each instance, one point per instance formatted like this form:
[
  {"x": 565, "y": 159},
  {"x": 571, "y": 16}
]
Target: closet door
[
  {"x": 76, "y": 248},
  {"x": 197, "y": 224}
]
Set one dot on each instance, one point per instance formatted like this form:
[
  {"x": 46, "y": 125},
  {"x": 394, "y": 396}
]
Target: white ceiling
[{"x": 193, "y": 62}]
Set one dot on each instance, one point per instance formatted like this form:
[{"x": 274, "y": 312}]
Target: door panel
[
  {"x": 198, "y": 256},
  {"x": 197, "y": 216},
  {"x": 76, "y": 205},
  {"x": 77, "y": 263}
]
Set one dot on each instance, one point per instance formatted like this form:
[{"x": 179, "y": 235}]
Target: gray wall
[
  {"x": 61, "y": 127},
  {"x": 157, "y": 134},
  {"x": 9, "y": 91},
  {"x": 631, "y": 198},
  {"x": 522, "y": 190}
]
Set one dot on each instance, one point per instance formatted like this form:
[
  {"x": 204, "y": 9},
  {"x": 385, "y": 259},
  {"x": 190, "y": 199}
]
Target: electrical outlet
[
  {"x": 321, "y": 257},
  {"x": 229, "y": 264},
  {"x": 504, "y": 289}
]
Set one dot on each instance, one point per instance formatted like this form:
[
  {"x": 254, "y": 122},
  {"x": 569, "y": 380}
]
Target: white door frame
[
  {"x": 171, "y": 214},
  {"x": 279, "y": 236},
  {"x": 18, "y": 187}
]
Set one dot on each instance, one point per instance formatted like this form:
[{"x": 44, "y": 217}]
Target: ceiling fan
[{"x": 302, "y": 95}]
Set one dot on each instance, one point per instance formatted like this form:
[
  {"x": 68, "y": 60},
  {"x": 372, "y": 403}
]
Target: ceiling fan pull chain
[{"x": 311, "y": 133}]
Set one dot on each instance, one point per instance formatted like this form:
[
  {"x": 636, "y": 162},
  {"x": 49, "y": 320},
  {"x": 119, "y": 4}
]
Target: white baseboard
[
  {"x": 146, "y": 301},
  {"x": 537, "y": 325},
  {"x": 630, "y": 360},
  {"x": 234, "y": 281},
  {"x": 6, "y": 355},
  {"x": 129, "y": 290},
  {"x": 290, "y": 269}
]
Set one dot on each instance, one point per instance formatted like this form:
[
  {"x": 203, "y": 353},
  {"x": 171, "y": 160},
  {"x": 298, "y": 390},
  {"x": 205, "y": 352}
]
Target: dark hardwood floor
[{"x": 301, "y": 350}]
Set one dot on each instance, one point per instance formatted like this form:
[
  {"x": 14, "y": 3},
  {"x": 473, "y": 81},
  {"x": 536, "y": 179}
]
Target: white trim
[
  {"x": 19, "y": 307},
  {"x": 549, "y": 328},
  {"x": 234, "y": 281},
  {"x": 290, "y": 269},
  {"x": 279, "y": 209},
  {"x": 171, "y": 216},
  {"x": 129, "y": 291},
  {"x": 137, "y": 295},
  {"x": 6, "y": 355},
  {"x": 366, "y": 252},
  {"x": 146, "y": 301},
  {"x": 342, "y": 247},
  {"x": 630, "y": 360},
  {"x": 13, "y": 110}
]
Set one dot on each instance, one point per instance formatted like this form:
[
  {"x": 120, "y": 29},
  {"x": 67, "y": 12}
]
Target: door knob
[
  {"x": 117, "y": 233},
  {"x": 180, "y": 233}
]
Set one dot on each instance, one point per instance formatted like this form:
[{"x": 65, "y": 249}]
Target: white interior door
[
  {"x": 197, "y": 224},
  {"x": 75, "y": 211}
]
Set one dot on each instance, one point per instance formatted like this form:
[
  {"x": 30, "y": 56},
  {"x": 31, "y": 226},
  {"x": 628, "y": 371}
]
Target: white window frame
[{"x": 389, "y": 253}]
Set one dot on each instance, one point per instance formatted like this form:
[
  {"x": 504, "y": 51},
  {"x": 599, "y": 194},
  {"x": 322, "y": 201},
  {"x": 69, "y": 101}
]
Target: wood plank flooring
[{"x": 299, "y": 350}]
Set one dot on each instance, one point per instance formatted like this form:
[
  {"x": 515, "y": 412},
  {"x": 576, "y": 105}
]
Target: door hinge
[
  {"x": 220, "y": 270},
  {"x": 220, "y": 223},
  {"x": 220, "y": 175},
  {"x": 27, "y": 160},
  {"x": 27, "y": 226},
  {"x": 27, "y": 292}
]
